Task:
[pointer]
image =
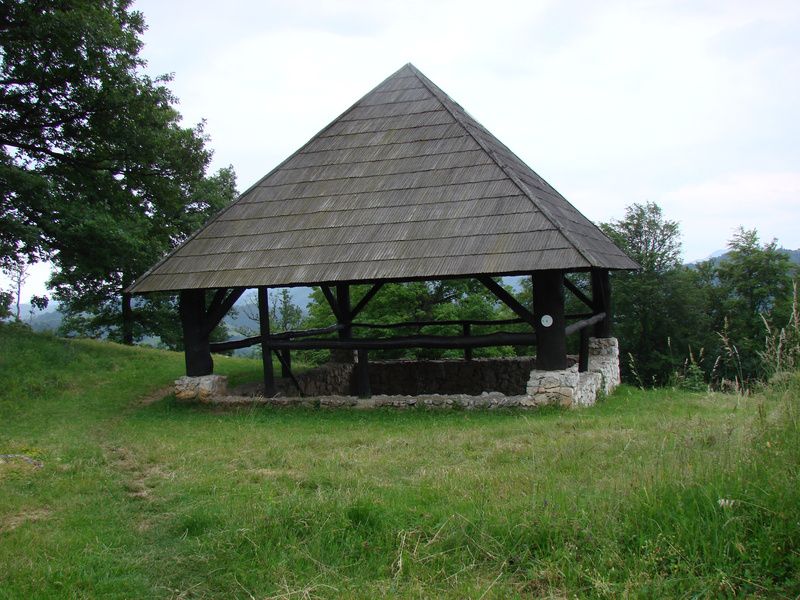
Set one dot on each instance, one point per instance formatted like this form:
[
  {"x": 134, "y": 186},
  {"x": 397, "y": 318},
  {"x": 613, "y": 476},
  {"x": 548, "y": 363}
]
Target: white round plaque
[{"x": 547, "y": 320}]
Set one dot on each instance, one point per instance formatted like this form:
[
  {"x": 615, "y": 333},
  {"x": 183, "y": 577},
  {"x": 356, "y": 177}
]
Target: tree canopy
[
  {"x": 97, "y": 172},
  {"x": 711, "y": 317}
]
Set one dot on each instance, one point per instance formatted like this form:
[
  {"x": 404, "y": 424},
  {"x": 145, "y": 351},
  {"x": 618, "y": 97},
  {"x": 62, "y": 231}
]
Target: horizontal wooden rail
[
  {"x": 585, "y": 315},
  {"x": 286, "y": 335},
  {"x": 459, "y": 322},
  {"x": 416, "y": 341},
  {"x": 570, "y": 329},
  {"x": 299, "y": 340}
]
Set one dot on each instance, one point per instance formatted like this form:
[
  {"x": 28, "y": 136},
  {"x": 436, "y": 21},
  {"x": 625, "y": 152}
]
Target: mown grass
[{"x": 159, "y": 499}]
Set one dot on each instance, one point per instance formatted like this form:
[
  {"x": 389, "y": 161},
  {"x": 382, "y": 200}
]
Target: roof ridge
[{"x": 445, "y": 100}]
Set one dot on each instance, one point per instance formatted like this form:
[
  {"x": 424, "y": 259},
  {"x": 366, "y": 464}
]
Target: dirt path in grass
[
  {"x": 138, "y": 479},
  {"x": 153, "y": 396}
]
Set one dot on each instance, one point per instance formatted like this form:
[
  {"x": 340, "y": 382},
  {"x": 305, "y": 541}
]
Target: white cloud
[
  {"x": 690, "y": 104},
  {"x": 710, "y": 211}
]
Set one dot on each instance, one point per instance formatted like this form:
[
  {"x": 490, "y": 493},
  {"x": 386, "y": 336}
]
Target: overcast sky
[{"x": 693, "y": 105}]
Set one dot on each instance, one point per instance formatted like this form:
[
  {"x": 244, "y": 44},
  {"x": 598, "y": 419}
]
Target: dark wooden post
[
  {"x": 266, "y": 353},
  {"x": 601, "y": 297},
  {"x": 343, "y": 301},
  {"x": 362, "y": 374},
  {"x": 196, "y": 347},
  {"x": 467, "y": 333},
  {"x": 583, "y": 352},
  {"x": 286, "y": 363},
  {"x": 344, "y": 318},
  {"x": 548, "y": 310}
]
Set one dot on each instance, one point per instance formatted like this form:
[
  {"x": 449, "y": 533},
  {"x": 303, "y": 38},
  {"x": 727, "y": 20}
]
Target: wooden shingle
[{"x": 403, "y": 185}]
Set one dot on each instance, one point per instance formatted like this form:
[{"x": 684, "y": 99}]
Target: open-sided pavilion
[{"x": 403, "y": 186}]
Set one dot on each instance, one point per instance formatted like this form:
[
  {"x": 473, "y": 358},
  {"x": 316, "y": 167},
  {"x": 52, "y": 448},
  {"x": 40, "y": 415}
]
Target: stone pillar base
[
  {"x": 570, "y": 388},
  {"x": 604, "y": 359},
  {"x": 566, "y": 388},
  {"x": 202, "y": 389}
]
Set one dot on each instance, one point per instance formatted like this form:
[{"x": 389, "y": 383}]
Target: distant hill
[
  {"x": 50, "y": 319},
  {"x": 720, "y": 255},
  {"x": 240, "y": 321}
]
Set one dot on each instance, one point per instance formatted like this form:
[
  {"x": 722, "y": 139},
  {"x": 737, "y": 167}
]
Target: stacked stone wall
[
  {"x": 412, "y": 378},
  {"x": 479, "y": 383},
  {"x": 332, "y": 379}
]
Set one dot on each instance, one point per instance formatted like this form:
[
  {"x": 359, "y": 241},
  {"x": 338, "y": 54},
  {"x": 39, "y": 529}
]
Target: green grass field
[{"x": 650, "y": 494}]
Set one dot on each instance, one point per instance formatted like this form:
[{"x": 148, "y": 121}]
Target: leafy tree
[
  {"x": 416, "y": 301},
  {"x": 650, "y": 239},
  {"x": 6, "y": 298},
  {"x": 89, "y": 283},
  {"x": 285, "y": 315},
  {"x": 750, "y": 285},
  {"x": 657, "y": 310},
  {"x": 17, "y": 273},
  {"x": 96, "y": 171},
  {"x": 67, "y": 69},
  {"x": 713, "y": 314}
]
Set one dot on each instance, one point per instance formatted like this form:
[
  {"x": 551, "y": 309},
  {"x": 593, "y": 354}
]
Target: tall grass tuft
[
  {"x": 691, "y": 376},
  {"x": 634, "y": 371},
  {"x": 781, "y": 353},
  {"x": 731, "y": 361}
]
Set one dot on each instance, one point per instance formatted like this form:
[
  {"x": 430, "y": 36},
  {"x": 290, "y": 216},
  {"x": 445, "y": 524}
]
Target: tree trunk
[
  {"x": 127, "y": 320},
  {"x": 197, "y": 350}
]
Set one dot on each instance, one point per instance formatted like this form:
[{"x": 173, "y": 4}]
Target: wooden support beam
[
  {"x": 579, "y": 315},
  {"x": 326, "y": 291},
  {"x": 576, "y": 291},
  {"x": 286, "y": 369},
  {"x": 419, "y": 324},
  {"x": 601, "y": 295},
  {"x": 216, "y": 300},
  {"x": 287, "y": 335},
  {"x": 581, "y": 325},
  {"x": 414, "y": 341},
  {"x": 343, "y": 302},
  {"x": 345, "y": 321},
  {"x": 197, "y": 350},
  {"x": 583, "y": 352},
  {"x": 362, "y": 374},
  {"x": 213, "y": 317},
  {"x": 365, "y": 300},
  {"x": 266, "y": 354},
  {"x": 286, "y": 362},
  {"x": 548, "y": 306},
  {"x": 467, "y": 329},
  {"x": 282, "y": 341},
  {"x": 507, "y": 299}
]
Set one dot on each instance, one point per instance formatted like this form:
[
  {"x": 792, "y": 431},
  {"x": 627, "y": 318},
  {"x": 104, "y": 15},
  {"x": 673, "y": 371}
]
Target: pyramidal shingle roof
[{"x": 405, "y": 184}]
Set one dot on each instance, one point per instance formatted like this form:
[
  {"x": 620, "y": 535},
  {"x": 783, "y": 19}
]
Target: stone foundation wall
[
  {"x": 479, "y": 383},
  {"x": 332, "y": 379},
  {"x": 473, "y": 377},
  {"x": 491, "y": 401}
]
